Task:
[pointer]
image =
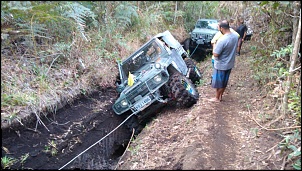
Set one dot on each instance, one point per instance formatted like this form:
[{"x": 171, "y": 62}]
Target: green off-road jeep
[
  {"x": 159, "y": 72},
  {"x": 202, "y": 34}
]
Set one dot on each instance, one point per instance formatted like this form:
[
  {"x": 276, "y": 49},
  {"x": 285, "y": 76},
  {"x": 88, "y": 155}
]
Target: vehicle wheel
[
  {"x": 117, "y": 79},
  {"x": 183, "y": 90},
  {"x": 133, "y": 123},
  {"x": 195, "y": 75},
  {"x": 187, "y": 44}
]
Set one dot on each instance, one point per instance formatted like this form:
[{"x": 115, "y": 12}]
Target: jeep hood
[{"x": 169, "y": 39}]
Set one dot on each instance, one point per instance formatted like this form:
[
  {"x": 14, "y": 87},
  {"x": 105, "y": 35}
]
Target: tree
[{"x": 292, "y": 65}]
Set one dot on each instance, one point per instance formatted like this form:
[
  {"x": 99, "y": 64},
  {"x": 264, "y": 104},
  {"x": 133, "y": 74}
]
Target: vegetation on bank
[{"x": 54, "y": 51}]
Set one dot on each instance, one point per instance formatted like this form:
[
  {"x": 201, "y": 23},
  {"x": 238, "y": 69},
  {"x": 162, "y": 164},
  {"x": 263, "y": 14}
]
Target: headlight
[
  {"x": 124, "y": 103},
  {"x": 157, "y": 78},
  {"x": 157, "y": 65}
]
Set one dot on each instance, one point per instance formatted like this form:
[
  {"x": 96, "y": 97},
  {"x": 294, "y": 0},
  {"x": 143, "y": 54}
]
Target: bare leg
[
  {"x": 239, "y": 45},
  {"x": 219, "y": 93},
  {"x": 216, "y": 99},
  {"x": 222, "y": 91}
]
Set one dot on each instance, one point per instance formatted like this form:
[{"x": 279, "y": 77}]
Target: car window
[
  {"x": 207, "y": 24},
  {"x": 147, "y": 53}
]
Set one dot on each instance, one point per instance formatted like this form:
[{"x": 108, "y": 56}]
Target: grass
[
  {"x": 32, "y": 86},
  {"x": 7, "y": 162},
  {"x": 51, "y": 148},
  {"x": 23, "y": 158}
]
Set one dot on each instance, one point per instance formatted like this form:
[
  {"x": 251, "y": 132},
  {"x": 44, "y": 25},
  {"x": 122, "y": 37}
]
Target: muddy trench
[{"x": 72, "y": 129}]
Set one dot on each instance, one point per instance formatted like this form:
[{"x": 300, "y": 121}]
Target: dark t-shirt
[{"x": 241, "y": 29}]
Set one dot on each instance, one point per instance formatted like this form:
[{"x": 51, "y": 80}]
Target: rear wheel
[{"x": 183, "y": 90}]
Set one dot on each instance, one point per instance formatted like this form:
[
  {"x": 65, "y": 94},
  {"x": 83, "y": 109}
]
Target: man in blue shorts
[{"x": 224, "y": 59}]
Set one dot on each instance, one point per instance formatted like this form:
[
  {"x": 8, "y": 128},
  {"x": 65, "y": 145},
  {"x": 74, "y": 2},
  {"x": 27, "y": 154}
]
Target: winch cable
[
  {"x": 97, "y": 141},
  {"x": 194, "y": 50}
]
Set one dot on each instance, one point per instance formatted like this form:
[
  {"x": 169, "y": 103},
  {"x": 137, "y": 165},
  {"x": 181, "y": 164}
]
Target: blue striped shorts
[{"x": 220, "y": 78}]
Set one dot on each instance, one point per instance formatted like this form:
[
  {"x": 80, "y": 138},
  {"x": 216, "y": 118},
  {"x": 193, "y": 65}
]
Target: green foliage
[
  {"x": 193, "y": 10},
  {"x": 279, "y": 26},
  {"x": 53, "y": 21},
  {"x": 262, "y": 72},
  {"x": 166, "y": 12},
  {"x": 17, "y": 99},
  {"x": 63, "y": 48},
  {"x": 78, "y": 13},
  {"x": 126, "y": 15},
  {"x": 7, "y": 162},
  {"x": 292, "y": 143},
  {"x": 283, "y": 51},
  {"x": 265, "y": 65},
  {"x": 23, "y": 158},
  {"x": 294, "y": 105},
  {"x": 134, "y": 149},
  {"x": 297, "y": 164},
  {"x": 51, "y": 148}
]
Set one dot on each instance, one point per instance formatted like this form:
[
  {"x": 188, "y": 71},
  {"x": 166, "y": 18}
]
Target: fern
[
  {"x": 33, "y": 29},
  {"x": 125, "y": 14},
  {"x": 19, "y": 5},
  {"x": 79, "y": 13}
]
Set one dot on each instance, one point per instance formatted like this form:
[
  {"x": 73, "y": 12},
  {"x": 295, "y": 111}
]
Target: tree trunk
[
  {"x": 292, "y": 65},
  {"x": 175, "y": 13},
  {"x": 296, "y": 5},
  {"x": 137, "y": 4}
]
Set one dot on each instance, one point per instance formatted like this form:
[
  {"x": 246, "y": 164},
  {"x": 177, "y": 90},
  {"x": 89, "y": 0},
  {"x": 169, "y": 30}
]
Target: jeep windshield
[
  {"x": 207, "y": 24},
  {"x": 148, "y": 53}
]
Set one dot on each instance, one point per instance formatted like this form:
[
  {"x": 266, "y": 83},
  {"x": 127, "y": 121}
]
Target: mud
[{"x": 72, "y": 130}]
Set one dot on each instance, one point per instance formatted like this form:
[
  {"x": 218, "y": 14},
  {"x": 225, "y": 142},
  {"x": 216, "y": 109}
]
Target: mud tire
[
  {"x": 117, "y": 79},
  {"x": 183, "y": 97},
  {"x": 133, "y": 123},
  {"x": 187, "y": 44},
  {"x": 195, "y": 75}
]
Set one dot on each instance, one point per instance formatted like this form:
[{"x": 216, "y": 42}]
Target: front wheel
[
  {"x": 133, "y": 123},
  {"x": 187, "y": 44},
  {"x": 194, "y": 73},
  {"x": 183, "y": 90}
]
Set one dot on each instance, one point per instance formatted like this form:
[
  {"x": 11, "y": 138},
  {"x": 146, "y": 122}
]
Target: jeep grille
[
  {"x": 204, "y": 36},
  {"x": 141, "y": 90}
]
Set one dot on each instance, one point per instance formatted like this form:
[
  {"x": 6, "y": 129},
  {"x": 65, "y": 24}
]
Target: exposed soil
[
  {"x": 72, "y": 129},
  {"x": 209, "y": 135}
]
